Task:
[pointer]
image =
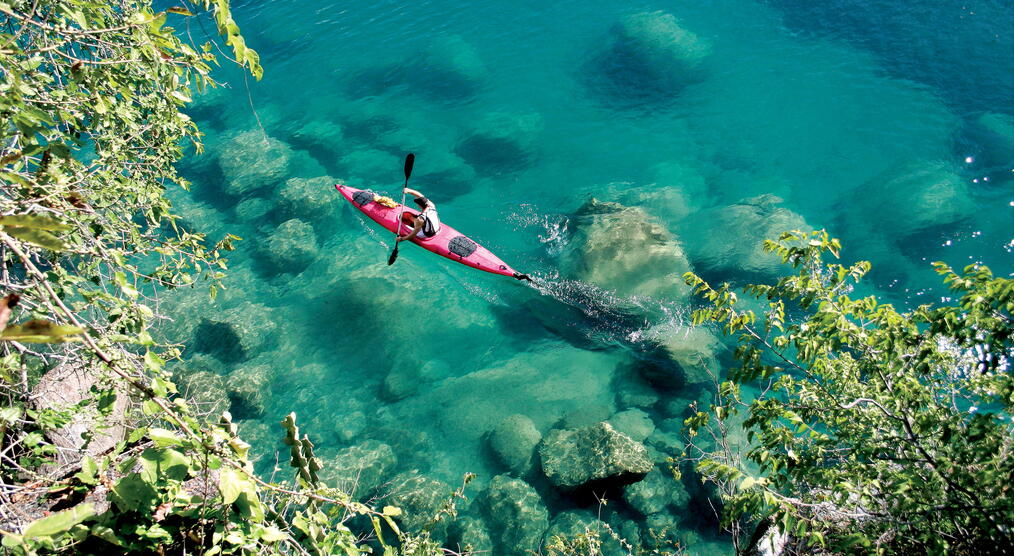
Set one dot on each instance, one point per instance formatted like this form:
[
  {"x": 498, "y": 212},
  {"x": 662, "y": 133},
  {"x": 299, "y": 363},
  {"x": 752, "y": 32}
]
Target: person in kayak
[{"x": 426, "y": 224}]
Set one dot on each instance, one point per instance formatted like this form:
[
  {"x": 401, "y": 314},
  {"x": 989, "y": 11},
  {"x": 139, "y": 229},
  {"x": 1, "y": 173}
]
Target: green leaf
[
  {"x": 231, "y": 483},
  {"x": 159, "y": 464},
  {"x": 164, "y": 438},
  {"x": 134, "y": 493},
  {"x": 35, "y": 222},
  {"x": 89, "y": 471},
  {"x": 60, "y": 522},
  {"x": 272, "y": 534},
  {"x": 392, "y": 511},
  {"x": 40, "y": 332},
  {"x": 10, "y": 415},
  {"x": 39, "y": 238}
]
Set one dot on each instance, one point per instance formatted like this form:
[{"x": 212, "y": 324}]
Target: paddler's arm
[
  {"x": 413, "y": 192},
  {"x": 415, "y": 231}
]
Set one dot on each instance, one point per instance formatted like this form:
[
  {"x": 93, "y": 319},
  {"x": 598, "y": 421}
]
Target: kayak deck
[{"x": 448, "y": 242}]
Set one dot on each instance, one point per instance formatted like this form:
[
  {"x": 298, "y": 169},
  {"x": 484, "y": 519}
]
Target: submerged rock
[
  {"x": 634, "y": 423},
  {"x": 623, "y": 249},
  {"x": 513, "y": 442},
  {"x": 994, "y": 132},
  {"x": 361, "y": 469},
  {"x": 592, "y": 455},
  {"x": 420, "y": 499},
  {"x": 569, "y": 525},
  {"x": 451, "y": 69},
  {"x": 349, "y": 426},
  {"x": 253, "y": 211},
  {"x": 735, "y": 246},
  {"x": 516, "y": 516},
  {"x": 399, "y": 384},
  {"x": 913, "y": 199},
  {"x": 501, "y": 143},
  {"x": 247, "y": 388},
  {"x": 206, "y": 392},
  {"x": 251, "y": 160},
  {"x": 693, "y": 350},
  {"x": 650, "y": 55},
  {"x": 292, "y": 246},
  {"x": 469, "y": 536},
  {"x": 235, "y": 334},
  {"x": 655, "y": 493},
  {"x": 308, "y": 198}
]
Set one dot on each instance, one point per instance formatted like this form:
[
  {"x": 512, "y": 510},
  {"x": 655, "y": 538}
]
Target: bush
[{"x": 867, "y": 429}]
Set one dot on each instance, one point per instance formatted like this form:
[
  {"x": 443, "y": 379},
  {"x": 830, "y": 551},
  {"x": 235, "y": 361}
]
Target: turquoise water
[{"x": 711, "y": 126}]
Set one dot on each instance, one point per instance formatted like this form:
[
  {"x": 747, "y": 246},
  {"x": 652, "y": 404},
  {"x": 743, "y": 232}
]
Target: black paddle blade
[
  {"x": 394, "y": 256},
  {"x": 409, "y": 162}
]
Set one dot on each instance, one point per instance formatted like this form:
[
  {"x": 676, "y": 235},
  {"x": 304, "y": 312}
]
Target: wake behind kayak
[{"x": 448, "y": 242}]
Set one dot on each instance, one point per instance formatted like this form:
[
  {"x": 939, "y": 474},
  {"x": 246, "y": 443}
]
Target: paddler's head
[{"x": 422, "y": 202}]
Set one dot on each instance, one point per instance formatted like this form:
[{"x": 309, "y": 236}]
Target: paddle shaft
[{"x": 409, "y": 163}]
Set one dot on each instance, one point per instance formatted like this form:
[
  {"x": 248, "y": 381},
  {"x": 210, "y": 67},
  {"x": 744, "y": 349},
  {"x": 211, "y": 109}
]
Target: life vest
[{"x": 431, "y": 222}]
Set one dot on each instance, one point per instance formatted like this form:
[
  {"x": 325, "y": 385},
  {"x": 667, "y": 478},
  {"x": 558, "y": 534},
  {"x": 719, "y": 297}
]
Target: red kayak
[{"x": 447, "y": 242}]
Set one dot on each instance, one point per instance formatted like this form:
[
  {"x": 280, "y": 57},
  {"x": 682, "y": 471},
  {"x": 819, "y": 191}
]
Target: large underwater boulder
[
  {"x": 913, "y": 199},
  {"x": 235, "y": 334},
  {"x": 634, "y": 423},
  {"x": 247, "y": 388},
  {"x": 516, "y": 516},
  {"x": 733, "y": 247},
  {"x": 650, "y": 55},
  {"x": 206, "y": 392},
  {"x": 568, "y": 525},
  {"x": 251, "y": 160},
  {"x": 594, "y": 455},
  {"x": 292, "y": 246},
  {"x": 361, "y": 469},
  {"x": 399, "y": 384},
  {"x": 656, "y": 492},
  {"x": 501, "y": 143},
  {"x": 348, "y": 426},
  {"x": 254, "y": 211},
  {"x": 513, "y": 442},
  {"x": 623, "y": 249},
  {"x": 308, "y": 198},
  {"x": 694, "y": 350},
  {"x": 470, "y": 536},
  {"x": 994, "y": 132},
  {"x": 420, "y": 498},
  {"x": 450, "y": 69}
]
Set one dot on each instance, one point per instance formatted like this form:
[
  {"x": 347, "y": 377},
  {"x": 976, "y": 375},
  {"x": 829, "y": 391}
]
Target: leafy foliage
[{"x": 866, "y": 428}]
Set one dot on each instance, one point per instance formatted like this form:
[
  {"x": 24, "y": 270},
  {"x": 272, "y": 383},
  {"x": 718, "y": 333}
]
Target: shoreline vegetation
[{"x": 839, "y": 425}]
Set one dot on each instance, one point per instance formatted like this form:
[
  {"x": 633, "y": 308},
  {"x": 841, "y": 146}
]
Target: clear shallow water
[{"x": 892, "y": 134}]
